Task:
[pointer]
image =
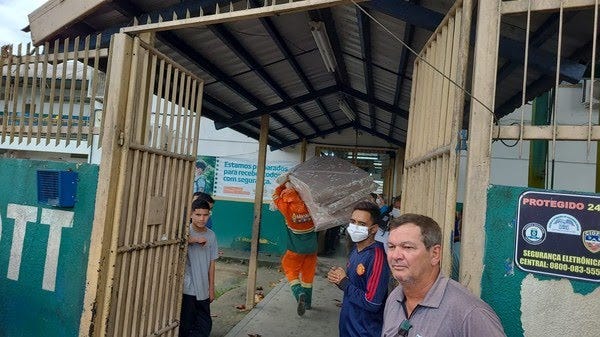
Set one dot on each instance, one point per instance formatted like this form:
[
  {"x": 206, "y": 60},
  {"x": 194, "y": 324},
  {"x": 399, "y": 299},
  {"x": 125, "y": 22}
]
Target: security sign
[{"x": 559, "y": 234}]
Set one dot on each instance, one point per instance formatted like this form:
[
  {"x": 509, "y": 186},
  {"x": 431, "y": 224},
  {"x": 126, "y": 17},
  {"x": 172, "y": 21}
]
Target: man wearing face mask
[
  {"x": 365, "y": 281},
  {"x": 386, "y": 217},
  {"x": 395, "y": 212}
]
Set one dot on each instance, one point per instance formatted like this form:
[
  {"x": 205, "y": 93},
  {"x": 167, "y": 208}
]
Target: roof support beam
[
  {"x": 168, "y": 13},
  {"x": 209, "y": 113},
  {"x": 409, "y": 32},
  {"x": 235, "y": 15},
  {"x": 324, "y": 15},
  {"x": 187, "y": 51},
  {"x": 365, "y": 47},
  {"x": 539, "y": 86},
  {"x": 177, "y": 44},
  {"x": 278, "y": 106},
  {"x": 268, "y": 25},
  {"x": 174, "y": 42},
  {"x": 539, "y": 37},
  {"x": 408, "y": 12},
  {"x": 427, "y": 19},
  {"x": 323, "y": 133},
  {"x": 374, "y": 101},
  {"x": 382, "y": 136},
  {"x": 341, "y": 127},
  {"x": 341, "y": 74},
  {"x": 226, "y": 37}
]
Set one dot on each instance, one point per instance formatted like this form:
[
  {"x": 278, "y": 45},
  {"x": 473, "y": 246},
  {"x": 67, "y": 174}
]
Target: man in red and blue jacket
[{"x": 365, "y": 281}]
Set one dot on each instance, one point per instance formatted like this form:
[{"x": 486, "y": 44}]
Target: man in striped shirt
[{"x": 365, "y": 281}]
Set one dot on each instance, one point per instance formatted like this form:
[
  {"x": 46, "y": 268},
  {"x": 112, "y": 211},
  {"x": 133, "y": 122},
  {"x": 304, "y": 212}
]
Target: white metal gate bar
[{"x": 437, "y": 102}]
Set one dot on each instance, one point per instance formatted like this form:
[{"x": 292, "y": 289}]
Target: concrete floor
[{"x": 275, "y": 315}]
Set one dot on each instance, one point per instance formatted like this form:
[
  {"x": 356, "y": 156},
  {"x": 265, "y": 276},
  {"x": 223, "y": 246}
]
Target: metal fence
[{"x": 52, "y": 93}]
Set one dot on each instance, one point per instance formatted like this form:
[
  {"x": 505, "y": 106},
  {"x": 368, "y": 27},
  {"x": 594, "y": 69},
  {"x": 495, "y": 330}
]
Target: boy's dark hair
[
  {"x": 204, "y": 196},
  {"x": 200, "y": 164},
  {"x": 200, "y": 204},
  {"x": 370, "y": 207}
]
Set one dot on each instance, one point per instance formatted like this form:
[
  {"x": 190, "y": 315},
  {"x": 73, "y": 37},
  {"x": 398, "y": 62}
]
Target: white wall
[
  {"x": 230, "y": 143},
  {"x": 574, "y": 166}
]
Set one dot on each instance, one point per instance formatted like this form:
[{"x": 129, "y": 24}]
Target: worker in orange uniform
[{"x": 300, "y": 259}]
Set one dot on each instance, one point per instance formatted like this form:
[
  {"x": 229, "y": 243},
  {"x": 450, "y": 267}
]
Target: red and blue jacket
[{"x": 365, "y": 292}]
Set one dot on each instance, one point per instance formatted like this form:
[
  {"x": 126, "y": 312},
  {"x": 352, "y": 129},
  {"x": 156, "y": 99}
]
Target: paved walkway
[{"x": 275, "y": 315}]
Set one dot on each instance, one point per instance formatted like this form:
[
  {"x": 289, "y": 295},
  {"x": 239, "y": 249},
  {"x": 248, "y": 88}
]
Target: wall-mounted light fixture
[
  {"x": 346, "y": 109},
  {"x": 317, "y": 28}
]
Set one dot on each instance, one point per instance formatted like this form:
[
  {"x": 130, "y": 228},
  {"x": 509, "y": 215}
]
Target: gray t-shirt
[
  {"x": 195, "y": 279},
  {"x": 448, "y": 310}
]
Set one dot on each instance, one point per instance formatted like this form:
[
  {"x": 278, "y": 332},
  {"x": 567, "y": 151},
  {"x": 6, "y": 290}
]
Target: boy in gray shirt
[{"x": 199, "y": 276}]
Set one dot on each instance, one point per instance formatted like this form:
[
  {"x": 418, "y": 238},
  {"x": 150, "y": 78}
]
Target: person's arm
[
  {"x": 214, "y": 255},
  {"x": 199, "y": 240},
  {"x": 482, "y": 322},
  {"x": 377, "y": 285},
  {"x": 211, "y": 281},
  {"x": 277, "y": 200}
]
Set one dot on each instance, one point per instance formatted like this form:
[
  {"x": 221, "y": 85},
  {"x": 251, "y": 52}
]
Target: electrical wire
[{"x": 423, "y": 59}]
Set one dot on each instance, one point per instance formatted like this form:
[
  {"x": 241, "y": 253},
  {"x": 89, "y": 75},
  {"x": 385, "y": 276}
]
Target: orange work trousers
[{"x": 299, "y": 266}]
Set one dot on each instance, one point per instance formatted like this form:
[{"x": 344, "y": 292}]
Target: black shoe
[{"x": 301, "y": 304}]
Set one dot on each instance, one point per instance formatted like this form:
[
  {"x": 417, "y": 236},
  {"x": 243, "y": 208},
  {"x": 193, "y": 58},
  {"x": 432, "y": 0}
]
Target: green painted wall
[
  {"x": 26, "y": 309},
  {"x": 501, "y": 280},
  {"x": 232, "y": 223}
]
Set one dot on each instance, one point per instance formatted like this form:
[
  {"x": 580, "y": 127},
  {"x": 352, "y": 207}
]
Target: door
[{"x": 148, "y": 160}]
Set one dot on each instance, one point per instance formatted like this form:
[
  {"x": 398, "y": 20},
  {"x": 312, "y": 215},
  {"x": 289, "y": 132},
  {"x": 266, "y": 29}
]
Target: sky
[{"x": 13, "y": 18}]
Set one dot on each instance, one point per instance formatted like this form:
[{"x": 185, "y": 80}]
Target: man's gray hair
[{"x": 431, "y": 233}]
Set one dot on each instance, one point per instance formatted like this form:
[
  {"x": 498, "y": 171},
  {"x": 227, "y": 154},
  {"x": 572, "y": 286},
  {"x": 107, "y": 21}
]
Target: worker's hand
[{"x": 336, "y": 274}]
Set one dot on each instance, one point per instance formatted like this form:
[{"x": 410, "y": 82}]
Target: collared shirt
[
  {"x": 448, "y": 310},
  {"x": 364, "y": 292}
]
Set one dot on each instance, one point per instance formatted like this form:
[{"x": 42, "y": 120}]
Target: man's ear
[
  {"x": 376, "y": 228},
  {"x": 436, "y": 254}
]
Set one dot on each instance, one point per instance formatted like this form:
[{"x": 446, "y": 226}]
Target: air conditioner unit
[
  {"x": 586, "y": 99},
  {"x": 100, "y": 85}
]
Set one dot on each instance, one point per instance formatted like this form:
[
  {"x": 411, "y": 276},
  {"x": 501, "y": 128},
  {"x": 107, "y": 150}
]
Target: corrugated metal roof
[{"x": 273, "y": 64}]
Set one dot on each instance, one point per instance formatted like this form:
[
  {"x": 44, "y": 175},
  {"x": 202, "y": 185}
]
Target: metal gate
[
  {"x": 482, "y": 129},
  {"x": 437, "y": 103},
  {"x": 151, "y": 128}
]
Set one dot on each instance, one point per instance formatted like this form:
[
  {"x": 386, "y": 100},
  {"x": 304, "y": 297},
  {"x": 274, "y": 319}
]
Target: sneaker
[{"x": 301, "y": 304}]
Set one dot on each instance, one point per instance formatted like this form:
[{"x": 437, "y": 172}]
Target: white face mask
[
  {"x": 358, "y": 233},
  {"x": 395, "y": 212}
]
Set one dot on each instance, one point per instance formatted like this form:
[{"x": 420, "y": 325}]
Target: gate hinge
[{"x": 121, "y": 138}]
